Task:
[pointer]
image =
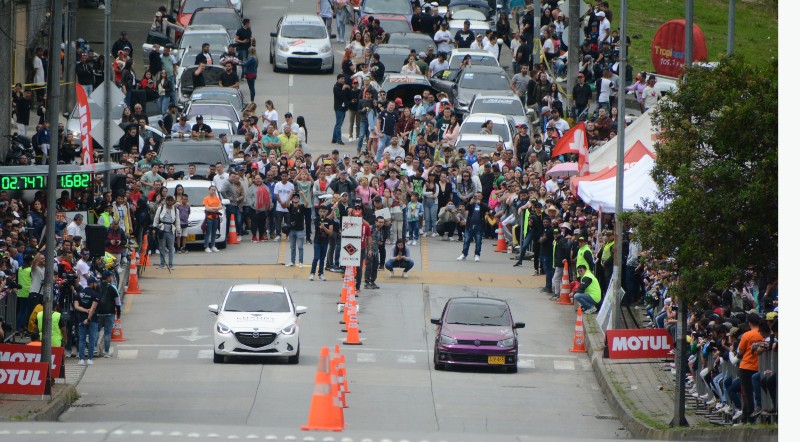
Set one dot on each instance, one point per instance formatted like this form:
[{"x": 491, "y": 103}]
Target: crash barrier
[
  {"x": 768, "y": 372},
  {"x": 328, "y": 400}
]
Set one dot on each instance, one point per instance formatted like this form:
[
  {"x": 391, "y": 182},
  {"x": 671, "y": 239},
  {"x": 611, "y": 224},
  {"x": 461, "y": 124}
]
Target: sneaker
[
  {"x": 381, "y": 268},
  {"x": 81, "y": 362},
  {"x": 461, "y": 258},
  {"x": 208, "y": 250},
  {"x": 161, "y": 267},
  {"x": 277, "y": 239},
  {"x": 289, "y": 264},
  {"x": 452, "y": 239},
  {"x": 89, "y": 362},
  {"x": 321, "y": 277},
  {"x": 434, "y": 235},
  {"x": 214, "y": 249},
  {"x": 405, "y": 274},
  {"x": 591, "y": 311},
  {"x": 311, "y": 277},
  {"x": 172, "y": 267},
  {"x": 413, "y": 243},
  {"x": 300, "y": 266},
  {"x": 255, "y": 240},
  {"x": 756, "y": 413},
  {"x": 263, "y": 238},
  {"x": 517, "y": 264},
  {"x": 106, "y": 355},
  {"x": 101, "y": 6},
  {"x": 737, "y": 415},
  {"x": 374, "y": 286},
  {"x": 712, "y": 401},
  {"x": 391, "y": 273},
  {"x": 477, "y": 258}
]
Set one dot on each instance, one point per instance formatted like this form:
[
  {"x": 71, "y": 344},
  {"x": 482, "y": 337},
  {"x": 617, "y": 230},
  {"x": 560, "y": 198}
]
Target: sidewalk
[{"x": 642, "y": 394}]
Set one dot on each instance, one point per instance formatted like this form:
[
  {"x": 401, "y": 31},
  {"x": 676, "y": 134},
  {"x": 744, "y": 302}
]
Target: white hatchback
[{"x": 257, "y": 320}]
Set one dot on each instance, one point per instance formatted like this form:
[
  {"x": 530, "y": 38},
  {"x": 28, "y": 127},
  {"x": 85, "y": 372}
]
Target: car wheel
[
  {"x": 219, "y": 359},
  {"x": 294, "y": 360},
  {"x": 438, "y": 367},
  {"x": 222, "y": 245},
  {"x": 271, "y": 58},
  {"x": 511, "y": 368}
]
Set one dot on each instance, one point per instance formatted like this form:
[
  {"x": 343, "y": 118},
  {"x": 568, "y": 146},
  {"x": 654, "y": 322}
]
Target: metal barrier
[
  {"x": 768, "y": 366},
  {"x": 8, "y": 311}
]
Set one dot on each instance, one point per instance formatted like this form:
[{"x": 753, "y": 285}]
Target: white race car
[{"x": 257, "y": 320}]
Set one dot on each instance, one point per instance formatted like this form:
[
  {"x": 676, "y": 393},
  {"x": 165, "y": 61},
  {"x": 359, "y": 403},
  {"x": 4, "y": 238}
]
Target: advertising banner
[
  {"x": 23, "y": 378},
  {"x": 644, "y": 343},
  {"x": 26, "y": 353}
]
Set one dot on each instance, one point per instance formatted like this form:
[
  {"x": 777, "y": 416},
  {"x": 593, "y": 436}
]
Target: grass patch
[{"x": 755, "y": 35}]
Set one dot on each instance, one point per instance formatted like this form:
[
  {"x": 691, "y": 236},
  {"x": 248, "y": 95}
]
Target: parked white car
[
  {"x": 301, "y": 41},
  {"x": 502, "y": 126},
  {"x": 257, "y": 320}
]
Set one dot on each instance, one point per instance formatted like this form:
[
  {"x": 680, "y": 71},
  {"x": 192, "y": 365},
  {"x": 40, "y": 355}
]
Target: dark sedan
[{"x": 478, "y": 332}]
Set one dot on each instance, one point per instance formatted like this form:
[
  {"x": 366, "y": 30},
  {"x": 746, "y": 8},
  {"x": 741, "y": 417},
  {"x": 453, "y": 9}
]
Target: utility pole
[
  {"x": 622, "y": 70},
  {"x": 731, "y": 24},
  {"x": 107, "y": 80},
  {"x": 573, "y": 59},
  {"x": 679, "y": 407},
  {"x": 69, "y": 56},
  {"x": 537, "y": 24},
  {"x": 6, "y": 49},
  {"x": 53, "y": 97}
]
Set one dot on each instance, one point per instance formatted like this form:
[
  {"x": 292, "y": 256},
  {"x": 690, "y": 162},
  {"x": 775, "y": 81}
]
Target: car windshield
[
  {"x": 401, "y": 7},
  {"x": 230, "y": 21},
  {"x": 218, "y": 111},
  {"x": 303, "y": 31},
  {"x": 195, "y": 194},
  {"x": 478, "y": 314},
  {"x": 488, "y": 81},
  {"x": 196, "y": 40},
  {"x": 477, "y": 60},
  {"x": 189, "y": 6},
  {"x": 502, "y": 106},
  {"x": 231, "y": 98},
  {"x": 414, "y": 41},
  {"x": 474, "y": 127},
  {"x": 183, "y": 152},
  {"x": 479, "y": 144},
  {"x": 257, "y": 301},
  {"x": 395, "y": 26},
  {"x": 393, "y": 62}
]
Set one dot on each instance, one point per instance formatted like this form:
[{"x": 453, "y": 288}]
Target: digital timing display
[{"x": 77, "y": 180}]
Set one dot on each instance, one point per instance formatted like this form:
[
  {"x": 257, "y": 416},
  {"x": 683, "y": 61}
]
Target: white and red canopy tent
[
  {"x": 599, "y": 189},
  {"x": 641, "y": 131}
]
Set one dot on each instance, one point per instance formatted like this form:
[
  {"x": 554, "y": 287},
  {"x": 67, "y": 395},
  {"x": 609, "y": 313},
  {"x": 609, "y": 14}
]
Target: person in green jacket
[{"x": 588, "y": 294}]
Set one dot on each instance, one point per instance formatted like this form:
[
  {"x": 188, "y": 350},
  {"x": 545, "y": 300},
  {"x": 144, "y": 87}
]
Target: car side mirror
[
  {"x": 214, "y": 308},
  {"x": 519, "y": 325},
  {"x": 436, "y": 321},
  {"x": 273, "y": 34},
  {"x": 300, "y": 309}
]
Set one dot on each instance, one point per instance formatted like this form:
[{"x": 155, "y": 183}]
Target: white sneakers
[
  {"x": 461, "y": 258},
  {"x": 477, "y": 258},
  {"x": 289, "y": 264},
  {"x": 208, "y": 250},
  {"x": 322, "y": 277},
  {"x": 391, "y": 273},
  {"x": 311, "y": 277},
  {"x": 81, "y": 362},
  {"x": 300, "y": 266},
  {"x": 89, "y": 362},
  {"x": 405, "y": 274},
  {"x": 214, "y": 249}
]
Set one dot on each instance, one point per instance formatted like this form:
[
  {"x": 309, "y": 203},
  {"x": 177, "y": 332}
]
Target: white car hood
[
  {"x": 305, "y": 44},
  {"x": 263, "y": 321}
]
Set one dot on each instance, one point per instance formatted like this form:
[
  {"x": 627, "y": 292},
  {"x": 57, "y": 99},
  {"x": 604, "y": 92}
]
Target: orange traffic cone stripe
[
  {"x": 565, "y": 287},
  {"x": 353, "y": 333},
  {"x": 502, "y": 245},
  {"x": 116, "y": 332},
  {"x": 578, "y": 344},
  {"x": 133, "y": 277},
  {"x": 233, "y": 238},
  {"x": 324, "y": 413}
]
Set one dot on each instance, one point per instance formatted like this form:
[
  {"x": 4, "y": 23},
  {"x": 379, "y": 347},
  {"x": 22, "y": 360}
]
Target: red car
[{"x": 189, "y": 6}]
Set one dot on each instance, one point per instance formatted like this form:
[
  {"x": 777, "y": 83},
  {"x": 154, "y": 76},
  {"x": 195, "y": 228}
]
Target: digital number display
[{"x": 78, "y": 180}]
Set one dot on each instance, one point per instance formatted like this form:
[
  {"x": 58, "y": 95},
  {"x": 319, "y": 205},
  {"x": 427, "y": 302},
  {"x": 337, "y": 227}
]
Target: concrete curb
[
  {"x": 59, "y": 403},
  {"x": 639, "y": 429}
]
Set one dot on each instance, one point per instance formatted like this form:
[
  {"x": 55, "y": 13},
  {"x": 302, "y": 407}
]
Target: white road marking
[
  {"x": 406, "y": 359},
  {"x": 564, "y": 365},
  {"x": 176, "y": 433},
  {"x": 291, "y": 80},
  {"x": 167, "y": 354},
  {"x": 365, "y": 357},
  {"x": 118, "y": 432},
  {"x": 100, "y": 431},
  {"x": 205, "y": 354},
  {"x": 525, "y": 363},
  {"x": 127, "y": 354}
]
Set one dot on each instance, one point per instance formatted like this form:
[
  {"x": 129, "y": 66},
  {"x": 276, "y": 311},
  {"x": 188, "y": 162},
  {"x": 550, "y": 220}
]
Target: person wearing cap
[
  {"x": 561, "y": 254},
  {"x": 289, "y": 121},
  {"x": 443, "y": 39},
  {"x": 588, "y": 293},
  {"x": 121, "y": 44},
  {"x": 85, "y": 307},
  {"x": 480, "y": 42},
  {"x": 581, "y": 97},
  {"x": 604, "y": 27},
  {"x": 108, "y": 309},
  {"x": 464, "y": 37},
  {"x": 296, "y": 234},
  {"x": 584, "y": 257},
  {"x": 200, "y": 129}
]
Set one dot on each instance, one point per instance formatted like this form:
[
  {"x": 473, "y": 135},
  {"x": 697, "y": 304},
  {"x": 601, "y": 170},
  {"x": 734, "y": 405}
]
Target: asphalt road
[{"x": 163, "y": 373}]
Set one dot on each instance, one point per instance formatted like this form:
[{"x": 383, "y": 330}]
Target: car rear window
[
  {"x": 478, "y": 314},
  {"x": 257, "y": 301},
  {"x": 180, "y": 152}
]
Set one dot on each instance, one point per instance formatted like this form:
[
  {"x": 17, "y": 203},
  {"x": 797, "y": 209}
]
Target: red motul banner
[
  {"x": 641, "y": 343},
  {"x": 23, "y": 378},
  {"x": 25, "y": 353},
  {"x": 85, "y": 118}
]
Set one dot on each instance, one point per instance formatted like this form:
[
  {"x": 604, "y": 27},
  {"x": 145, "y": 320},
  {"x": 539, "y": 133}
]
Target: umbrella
[{"x": 564, "y": 169}]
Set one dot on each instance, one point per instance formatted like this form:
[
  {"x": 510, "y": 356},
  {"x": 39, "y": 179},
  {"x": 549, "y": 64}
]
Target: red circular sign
[{"x": 668, "y": 47}]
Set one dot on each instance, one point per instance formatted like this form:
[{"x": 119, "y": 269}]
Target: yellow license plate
[
  {"x": 190, "y": 237},
  {"x": 497, "y": 360}
]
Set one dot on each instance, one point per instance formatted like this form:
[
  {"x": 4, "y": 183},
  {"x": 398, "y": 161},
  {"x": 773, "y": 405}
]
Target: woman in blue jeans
[
  {"x": 399, "y": 257},
  {"x": 430, "y": 205},
  {"x": 213, "y": 206}
]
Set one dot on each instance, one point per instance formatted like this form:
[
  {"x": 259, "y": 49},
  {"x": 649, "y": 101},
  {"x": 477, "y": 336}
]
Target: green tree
[{"x": 716, "y": 212}]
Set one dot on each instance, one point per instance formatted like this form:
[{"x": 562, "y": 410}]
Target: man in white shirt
[
  {"x": 220, "y": 176},
  {"x": 438, "y": 64},
  {"x": 182, "y": 127},
  {"x": 38, "y": 66},
  {"x": 82, "y": 267},
  {"x": 650, "y": 94},
  {"x": 443, "y": 39},
  {"x": 77, "y": 228},
  {"x": 289, "y": 119},
  {"x": 394, "y": 150},
  {"x": 560, "y": 124},
  {"x": 479, "y": 43},
  {"x": 493, "y": 46},
  {"x": 283, "y": 195},
  {"x": 604, "y": 28},
  {"x": 604, "y": 97}
]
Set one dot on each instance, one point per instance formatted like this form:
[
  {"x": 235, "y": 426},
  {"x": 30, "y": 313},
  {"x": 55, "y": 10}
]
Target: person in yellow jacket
[
  {"x": 58, "y": 328},
  {"x": 588, "y": 294}
]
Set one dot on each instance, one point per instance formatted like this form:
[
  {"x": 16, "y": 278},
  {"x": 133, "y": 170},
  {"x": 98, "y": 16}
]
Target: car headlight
[
  {"x": 283, "y": 47},
  {"x": 506, "y": 343},
  {"x": 325, "y": 49},
  {"x": 289, "y": 329},
  {"x": 447, "y": 340},
  {"x": 223, "y": 329}
]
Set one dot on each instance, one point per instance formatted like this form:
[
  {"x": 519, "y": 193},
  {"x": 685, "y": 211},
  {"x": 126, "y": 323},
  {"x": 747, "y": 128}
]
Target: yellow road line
[
  {"x": 128, "y": 305},
  {"x": 282, "y": 250},
  {"x": 424, "y": 253}
]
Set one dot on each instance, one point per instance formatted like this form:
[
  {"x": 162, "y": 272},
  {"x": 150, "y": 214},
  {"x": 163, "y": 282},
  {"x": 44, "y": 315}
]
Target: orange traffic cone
[
  {"x": 578, "y": 345},
  {"x": 337, "y": 386},
  {"x": 502, "y": 246},
  {"x": 116, "y": 332},
  {"x": 325, "y": 413},
  {"x": 145, "y": 255},
  {"x": 564, "y": 299},
  {"x": 133, "y": 277},
  {"x": 353, "y": 332},
  {"x": 343, "y": 368},
  {"x": 233, "y": 238}
]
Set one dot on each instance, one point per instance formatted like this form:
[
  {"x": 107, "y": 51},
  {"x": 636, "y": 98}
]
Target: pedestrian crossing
[{"x": 359, "y": 358}]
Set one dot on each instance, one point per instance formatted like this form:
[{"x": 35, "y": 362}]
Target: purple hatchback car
[{"x": 476, "y": 331}]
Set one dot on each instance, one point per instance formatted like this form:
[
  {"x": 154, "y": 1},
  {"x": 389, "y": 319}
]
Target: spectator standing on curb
[
  {"x": 250, "y": 72},
  {"x": 296, "y": 234},
  {"x": 166, "y": 220},
  {"x": 213, "y": 209},
  {"x": 259, "y": 198},
  {"x": 108, "y": 309},
  {"x": 340, "y": 100},
  {"x": 476, "y": 214},
  {"x": 283, "y": 197},
  {"x": 324, "y": 228},
  {"x": 85, "y": 306}
]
